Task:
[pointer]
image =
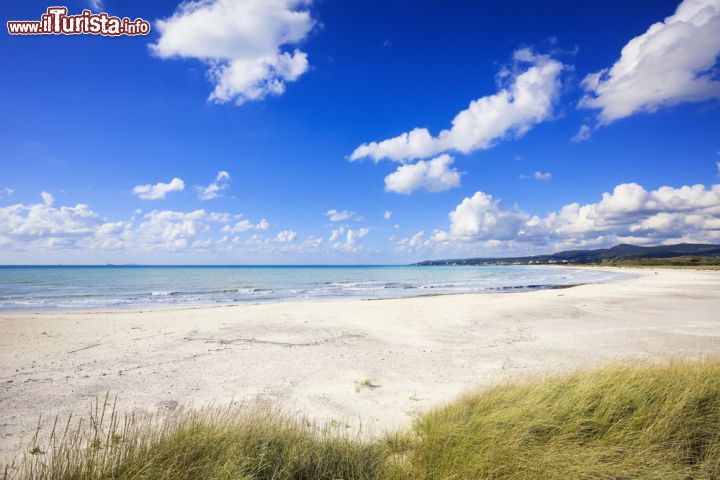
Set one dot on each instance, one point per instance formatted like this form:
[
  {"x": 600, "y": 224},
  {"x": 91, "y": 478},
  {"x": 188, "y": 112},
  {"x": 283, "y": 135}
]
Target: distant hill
[{"x": 618, "y": 252}]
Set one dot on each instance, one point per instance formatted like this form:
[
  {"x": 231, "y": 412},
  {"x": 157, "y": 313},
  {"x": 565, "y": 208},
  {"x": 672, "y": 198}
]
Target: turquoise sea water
[{"x": 43, "y": 288}]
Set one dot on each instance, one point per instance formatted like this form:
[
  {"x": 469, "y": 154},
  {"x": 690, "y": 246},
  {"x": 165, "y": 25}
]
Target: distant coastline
[{"x": 682, "y": 254}]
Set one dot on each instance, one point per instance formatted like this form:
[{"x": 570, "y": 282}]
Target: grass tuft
[
  {"x": 632, "y": 421},
  {"x": 365, "y": 384}
]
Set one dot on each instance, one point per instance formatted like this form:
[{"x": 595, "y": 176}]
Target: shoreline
[
  {"x": 289, "y": 302},
  {"x": 149, "y": 307},
  {"x": 310, "y": 356}
]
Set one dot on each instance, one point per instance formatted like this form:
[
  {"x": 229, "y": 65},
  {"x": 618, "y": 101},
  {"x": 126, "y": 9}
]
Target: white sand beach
[{"x": 310, "y": 357}]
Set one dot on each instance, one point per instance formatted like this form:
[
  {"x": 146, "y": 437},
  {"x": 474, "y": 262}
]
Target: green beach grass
[
  {"x": 657, "y": 421},
  {"x": 702, "y": 263}
]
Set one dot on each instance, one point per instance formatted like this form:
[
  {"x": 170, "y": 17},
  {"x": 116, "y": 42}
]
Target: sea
[{"x": 37, "y": 288}]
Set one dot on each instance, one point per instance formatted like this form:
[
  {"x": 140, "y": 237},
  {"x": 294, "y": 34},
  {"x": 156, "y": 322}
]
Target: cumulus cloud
[
  {"x": 672, "y": 62},
  {"x": 171, "y": 230},
  {"x": 44, "y": 227},
  {"x": 483, "y": 217},
  {"x": 353, "y": 236},
  {"x": 159, "y": 190},
  {"x": 248, "y": 45},
  {"x": 582, "y": 134},
  {"x": 6, "y": 192},
  {"x": 43, "y": 224},
  {"x": 286, "y": 236},
  {"x": 342, "y": 215},
  {"x": 246, "y": 225},
  {"x": 280, "y": 245},
  {"x": 347, "y": 239},
  {"x": 415, "y": 243},
  {"x": 388, "y": 214},
  {"x": 629, "y": 213},
  {"x": 527, "y": 98},
  {"x": 434, "y": 175},
  {"x": 215, "y": 189}
]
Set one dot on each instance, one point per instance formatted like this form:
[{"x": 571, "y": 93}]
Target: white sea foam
[{"x": 38, "y": 288}]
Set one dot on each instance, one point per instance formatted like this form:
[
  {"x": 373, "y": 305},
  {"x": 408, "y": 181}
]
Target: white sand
[{"x": 310, "y": 356}]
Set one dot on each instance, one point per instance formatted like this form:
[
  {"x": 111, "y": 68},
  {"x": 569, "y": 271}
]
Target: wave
[{"x": 20, "y": 290}]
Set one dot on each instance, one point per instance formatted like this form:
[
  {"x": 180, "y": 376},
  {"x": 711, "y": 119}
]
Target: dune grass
[
  {"x": 691, "y": 262},
  {"x": 622, "y": 422},
  {"x": 630, "y": 421},
  {"x": 257, "y": 442}
]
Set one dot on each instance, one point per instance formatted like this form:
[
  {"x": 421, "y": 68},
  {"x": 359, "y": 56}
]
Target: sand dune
[{"x": 313, "y": 357}]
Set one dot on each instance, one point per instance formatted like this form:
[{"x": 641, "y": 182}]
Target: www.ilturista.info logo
[{"x": 56, "y": 21}]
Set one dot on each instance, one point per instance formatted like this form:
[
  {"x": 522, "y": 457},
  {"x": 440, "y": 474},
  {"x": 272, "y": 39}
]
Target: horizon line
[{"x": 131, "y": 265}]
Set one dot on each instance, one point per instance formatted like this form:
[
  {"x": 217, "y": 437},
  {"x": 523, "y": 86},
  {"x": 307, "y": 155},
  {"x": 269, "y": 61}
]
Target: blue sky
[{"x": 87, "y": 119}]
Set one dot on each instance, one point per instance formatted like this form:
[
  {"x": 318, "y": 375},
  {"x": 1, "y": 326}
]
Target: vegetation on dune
[
  {"x": 632, "y": 421},
  {"x": 232, "y": 443},
  {"x": 686, "y": 261},
  {"x": 621, "y": 422},
  {"x": 620, "y": 252}
]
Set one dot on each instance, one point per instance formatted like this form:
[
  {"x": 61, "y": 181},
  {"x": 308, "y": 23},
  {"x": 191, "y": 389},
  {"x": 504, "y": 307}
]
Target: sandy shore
[{"x": 311, "y": 356}]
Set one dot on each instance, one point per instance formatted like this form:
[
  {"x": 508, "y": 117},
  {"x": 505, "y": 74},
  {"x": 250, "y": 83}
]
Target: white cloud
[
  {"x": 672, "y": 62},
  {"x": 415, "y": 243},
  {"x": 388, "y": 214},
  {"x": 171, "y": 230},
  {"x": 353, "y": 236},
  {"x": 239, "y": 227},
  {"x": 527, "y": 99},
  {"x": 41, "y": 224},
  {"x": 482, "y": 217},
  {"x": 43, "y": 227},
  {"x": 286, "y": 236},
  {"x": 342, "y": 215},
  {"x": 215, "y": 189},
  {"x": 246, "y": 44},
  {"x": 434, "y": 175},
  {"x": 544, "y": 177},
  {"x": 628, "y": 213},
  {"x": 582, "y": 134},
  {"x": 6, "y": 192},
  {"x": 336, "y": 234},
  {"x": 246, "y": 225},
  {"x": 41, "y": 230},
  {"x": 280, "y": 245},
  {"x": 159, "y": 190},
  {"x": 48, "y": 199},
  {"x": 347, "y": 239},
  {"x": 96, "y": 5}
]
